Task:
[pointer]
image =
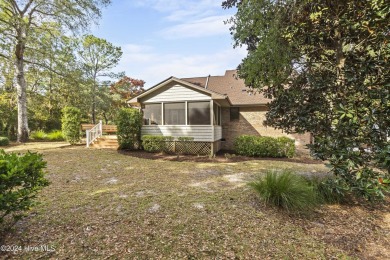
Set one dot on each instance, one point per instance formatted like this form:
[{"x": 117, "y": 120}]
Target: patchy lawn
[{"x": 105, "y": 204}]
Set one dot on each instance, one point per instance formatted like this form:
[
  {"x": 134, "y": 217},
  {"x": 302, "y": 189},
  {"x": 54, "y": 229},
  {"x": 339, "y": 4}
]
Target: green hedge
[
  {"x": 185, "y": 139},
  {"x": 264, "y": 146},
  {"x": 129, "y": 123},
  {"x": 156, "y": 143},
  {"x": 4, "y": 141},
  {"x": 71, "y": 120}
]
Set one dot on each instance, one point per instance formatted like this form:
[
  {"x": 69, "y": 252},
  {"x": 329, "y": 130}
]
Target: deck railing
[{"x": 94, "y": 133}]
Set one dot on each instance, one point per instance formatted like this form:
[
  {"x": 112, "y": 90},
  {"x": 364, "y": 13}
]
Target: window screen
[
  {"x": 217, "y": 115},
  {"x": 174, "y": 114},
  {"x": 152, "y": 114},
  {"x": 199, "y": 113}
]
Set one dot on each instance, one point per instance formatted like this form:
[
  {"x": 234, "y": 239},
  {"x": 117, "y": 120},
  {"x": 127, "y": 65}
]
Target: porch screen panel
[
  {"x": 174, "y": 114},
  {"x": 217, "y": 115},
  {"x": 152, "y": 114},
  {"x": 199, "y": 113}
]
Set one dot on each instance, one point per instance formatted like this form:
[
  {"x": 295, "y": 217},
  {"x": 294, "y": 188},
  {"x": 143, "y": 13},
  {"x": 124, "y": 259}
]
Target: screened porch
[{"x": 198, "y": 119}]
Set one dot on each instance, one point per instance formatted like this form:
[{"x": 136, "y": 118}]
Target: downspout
[{"x": 207, "y": 81}]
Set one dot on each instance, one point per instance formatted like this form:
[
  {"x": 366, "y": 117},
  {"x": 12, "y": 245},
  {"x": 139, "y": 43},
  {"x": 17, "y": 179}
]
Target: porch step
[{"x": 109, "y": 141}]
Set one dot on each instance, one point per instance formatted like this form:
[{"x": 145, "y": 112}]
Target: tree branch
[{"x": 46, "y": 67}]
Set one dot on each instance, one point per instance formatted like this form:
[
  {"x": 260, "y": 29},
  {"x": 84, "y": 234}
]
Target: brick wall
[{"x": 251, "y": 123}]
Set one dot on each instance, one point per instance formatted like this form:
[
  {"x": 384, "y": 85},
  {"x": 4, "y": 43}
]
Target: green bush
[
  {"x": 55, "y": 135},
  {"x": 38, "y": 135},
  {"x": 156, "y": 143},
  {"x": 21, "y": 177},
  {"x": 71, "y": 119},
  {"x": 332, "y": 190},
  {"x": 129, "y": 123},
  {"x": 4, "y": 141},
  {"x": 286, "y": 146},
  {"x": 264, "y": 146},
  {"x": 286, "y": 190},
  {"x": 185, "y": 139}
]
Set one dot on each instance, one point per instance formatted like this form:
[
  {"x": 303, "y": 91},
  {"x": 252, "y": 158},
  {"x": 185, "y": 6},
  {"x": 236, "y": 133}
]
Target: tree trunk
[
  {"x": 94, "y": 103},
  {"x": 94, "y": 99},
  {"x": 21, "y": 89}
]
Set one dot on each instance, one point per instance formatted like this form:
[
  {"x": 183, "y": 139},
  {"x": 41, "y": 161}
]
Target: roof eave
[
  {"x": 213, "y": 94},
  {"x": 251, "y": 105}
]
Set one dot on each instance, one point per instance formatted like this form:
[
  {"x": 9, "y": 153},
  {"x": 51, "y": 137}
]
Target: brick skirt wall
[{"x": 251, "y": 123}]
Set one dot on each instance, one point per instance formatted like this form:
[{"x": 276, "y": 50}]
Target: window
[
  {"x": 234, "y": 113},
  {"x": 217, "y": 114},
  {"x": 199, "y": 113},
  {"x": 174, "y": 114},
  {"x": 152, "y": 114}
]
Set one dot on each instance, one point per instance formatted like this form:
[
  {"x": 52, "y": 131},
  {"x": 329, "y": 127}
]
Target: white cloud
[
  {"x": 144, "y": 62},
  {"x": 189, "y": 18},
  {"x": 183, "y": 19},
  {"x": 191, "y": 6},
  {"x": 213, "y": 25}
]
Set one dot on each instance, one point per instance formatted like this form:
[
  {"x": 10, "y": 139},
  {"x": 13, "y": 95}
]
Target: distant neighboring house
[{"x": 213, "y": 110}]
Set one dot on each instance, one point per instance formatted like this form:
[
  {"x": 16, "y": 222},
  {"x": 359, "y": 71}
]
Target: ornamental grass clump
[
  {"x": 286, "y": 190},
  {"x": 38, "y": 135},
  {"x": 55, "y": 135}
]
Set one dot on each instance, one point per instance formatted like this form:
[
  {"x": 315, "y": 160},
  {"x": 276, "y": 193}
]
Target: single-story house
[{"x": 214, "y": 110}]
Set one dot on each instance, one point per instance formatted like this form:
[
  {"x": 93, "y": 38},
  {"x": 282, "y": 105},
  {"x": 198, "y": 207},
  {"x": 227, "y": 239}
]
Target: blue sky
[{"x": 163, "y": 38}]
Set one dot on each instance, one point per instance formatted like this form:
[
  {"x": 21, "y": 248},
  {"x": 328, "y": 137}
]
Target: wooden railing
[
  {"x": 106, "y": 128},
  {"x": 94, "y": 133}
]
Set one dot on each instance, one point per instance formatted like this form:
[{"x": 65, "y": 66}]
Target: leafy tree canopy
[
  {"x": 325, "y": 64},
  {"x": 126, "y": 88}
]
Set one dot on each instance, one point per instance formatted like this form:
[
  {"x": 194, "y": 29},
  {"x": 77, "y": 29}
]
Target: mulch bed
[{"x": 221, "y": 157}]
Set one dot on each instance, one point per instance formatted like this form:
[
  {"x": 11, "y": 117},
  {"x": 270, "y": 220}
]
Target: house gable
[{"x": 174, "y": 89}]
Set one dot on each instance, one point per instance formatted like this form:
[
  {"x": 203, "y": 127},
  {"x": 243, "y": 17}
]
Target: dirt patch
[
  {"x": 34, "y": 146},
  {"x": 364, "y": 222}
]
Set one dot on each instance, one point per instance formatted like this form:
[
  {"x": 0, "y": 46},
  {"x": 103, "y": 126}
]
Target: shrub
[
  {"x": 185, "y": 139},
  {"x": 71, "y": 119},
  {"x": 38, "y": 135},
  {"x": 286, "y": 146},
  {"x": 264, "y": 146},
  {"x": 156, "y": 143},
  {"x": 55, "y": 135},
  {"x": 4, "y": 141},
  {"x": 129, "y": 123},
  {"x": 21, "y": 177},
  {"x": 332, "y": 190},
  {"x": 286, "y": 190}
]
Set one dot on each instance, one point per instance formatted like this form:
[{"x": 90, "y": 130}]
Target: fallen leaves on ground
[{"x": 105, "y": 204}]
